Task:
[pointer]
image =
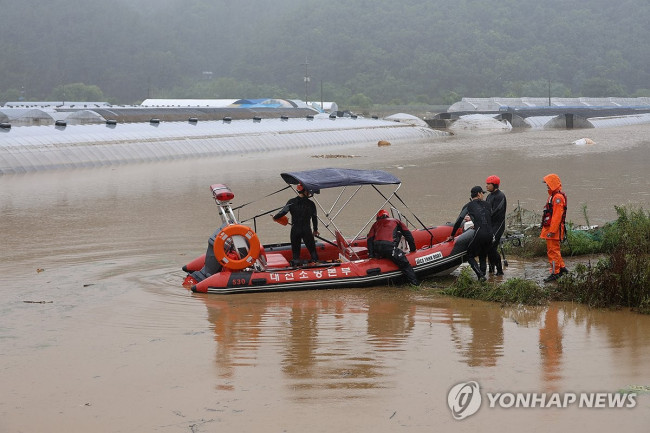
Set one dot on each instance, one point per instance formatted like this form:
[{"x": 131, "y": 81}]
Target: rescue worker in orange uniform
[{"x": 553, "y": 227}]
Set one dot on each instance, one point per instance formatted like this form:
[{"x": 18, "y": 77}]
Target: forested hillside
[{"x": 358, "y": 52}]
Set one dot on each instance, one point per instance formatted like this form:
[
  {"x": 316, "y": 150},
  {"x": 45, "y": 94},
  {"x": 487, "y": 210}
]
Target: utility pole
[{"x": 307, "y": 80}]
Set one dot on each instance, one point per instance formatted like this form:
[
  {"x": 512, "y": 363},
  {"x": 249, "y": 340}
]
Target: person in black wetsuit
[
  {"x": 302, "y": 210},
  {"x": 497, "y": 200},
  {"x": 480, "y": 213},
  {"x": 383, "y": 240}
]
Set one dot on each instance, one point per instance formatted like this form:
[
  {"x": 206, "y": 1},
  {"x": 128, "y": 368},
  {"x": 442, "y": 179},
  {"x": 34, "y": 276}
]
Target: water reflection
[
  {"x": 353, "y": 340},
  {"x": 624, "y": 335},
  {"x": 300, "y": 353},
  {"x": 318, "y": 340},
  {"x": 550, "y": 347},
  {"x": 390, "y": 321},
  {"x": 321, "y": 340},
  {"x": 237, "y": 331},
  {"x": 482, "y": 345}
]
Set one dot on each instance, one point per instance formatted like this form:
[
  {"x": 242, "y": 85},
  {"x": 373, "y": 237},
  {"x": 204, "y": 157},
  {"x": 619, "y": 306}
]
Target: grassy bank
[
  {"x": 512, "y": 291},
  {"x": 621, "y": 279}
]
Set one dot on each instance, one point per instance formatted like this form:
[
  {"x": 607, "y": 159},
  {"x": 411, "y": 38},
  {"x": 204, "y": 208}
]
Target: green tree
[
  {"x": 77, "y": 92},
  {"x": 361, "y": 101},
  {"x": 10, "y": 95},
  {"x": 450, "y": 97},
  {"x": 602, "y": 87},
  {"x": 641, "y": 93}
]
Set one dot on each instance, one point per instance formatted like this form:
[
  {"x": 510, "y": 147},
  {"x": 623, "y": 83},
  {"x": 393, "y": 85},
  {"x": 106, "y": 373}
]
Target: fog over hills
[{"x": 359, "y": 52}]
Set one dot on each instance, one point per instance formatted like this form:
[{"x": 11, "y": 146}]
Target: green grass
[
  {"x": 512, "y": 291},
  {"x": 621, "y": 279}
]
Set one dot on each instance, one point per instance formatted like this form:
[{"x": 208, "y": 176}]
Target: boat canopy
[{"x": 315, "y": 180}]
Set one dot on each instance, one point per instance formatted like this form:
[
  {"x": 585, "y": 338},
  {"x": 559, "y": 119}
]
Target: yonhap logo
[{"x": 464, "y": 399}]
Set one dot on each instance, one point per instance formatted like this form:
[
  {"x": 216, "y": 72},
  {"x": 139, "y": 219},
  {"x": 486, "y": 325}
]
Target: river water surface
[{"x": 97, "y": 334}]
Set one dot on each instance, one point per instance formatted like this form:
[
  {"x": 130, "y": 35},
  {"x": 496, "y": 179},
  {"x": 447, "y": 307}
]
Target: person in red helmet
[
  {"x": 383, "y": 242},
  {"x": 497, "y": 200},
  {"x": 553, "y": 225},
  {"x": 302, "y": 211}
]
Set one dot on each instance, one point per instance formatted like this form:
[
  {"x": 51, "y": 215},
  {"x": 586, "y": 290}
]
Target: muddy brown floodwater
[{"x": 97, "y": 334}]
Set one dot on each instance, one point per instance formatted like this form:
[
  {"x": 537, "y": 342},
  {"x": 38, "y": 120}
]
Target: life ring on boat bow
[{"x": 227, "y": 233}]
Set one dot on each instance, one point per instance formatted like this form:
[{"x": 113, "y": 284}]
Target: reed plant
[{"x": 622, "y": 277}]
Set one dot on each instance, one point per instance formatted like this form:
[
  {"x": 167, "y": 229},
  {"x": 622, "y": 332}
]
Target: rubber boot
[
  {"x": 480, "y": 275},
  {"x": 499, "y": 268},
  {"x": 564, "y": 271}
]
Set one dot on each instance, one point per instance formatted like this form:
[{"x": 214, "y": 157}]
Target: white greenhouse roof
[
  {"x": 496, "y": 104},
  {"x": 53, "y": 147},
  {"x": 188, "y": 102}
]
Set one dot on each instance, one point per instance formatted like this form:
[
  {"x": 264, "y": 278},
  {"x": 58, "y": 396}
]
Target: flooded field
[{"x": 97, "y": 334}]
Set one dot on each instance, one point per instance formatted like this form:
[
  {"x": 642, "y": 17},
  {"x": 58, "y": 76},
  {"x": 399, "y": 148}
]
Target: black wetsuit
[
  {"x": 497, "y": 201},
  {"x": 480, "y": 213},
  {"x": 383, "y": 241},
  {"x": 302, "y": 210}
]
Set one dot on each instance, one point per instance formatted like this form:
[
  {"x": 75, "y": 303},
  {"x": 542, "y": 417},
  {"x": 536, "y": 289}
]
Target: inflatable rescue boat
[{"x": 236, "y": 261}]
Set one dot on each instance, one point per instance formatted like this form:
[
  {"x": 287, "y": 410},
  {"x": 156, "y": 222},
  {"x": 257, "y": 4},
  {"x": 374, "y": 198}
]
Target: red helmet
[
  {"x": 493, "y": 180},
  {"x": 382, "y": 214},
  {"x": 300, "y": 188}
]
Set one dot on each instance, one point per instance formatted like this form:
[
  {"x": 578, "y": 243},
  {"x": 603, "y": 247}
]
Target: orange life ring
[{"x": 253, "y": 247}]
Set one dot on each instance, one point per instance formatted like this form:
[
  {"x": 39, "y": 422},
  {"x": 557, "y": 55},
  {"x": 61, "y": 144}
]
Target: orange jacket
[{"x": 556, "y": 202}]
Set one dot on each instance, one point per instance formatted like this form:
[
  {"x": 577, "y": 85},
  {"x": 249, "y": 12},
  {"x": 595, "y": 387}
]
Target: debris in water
[
  {"x": 334, "y": 156},
  {"x": 383, "y": 143},
  {"x": 38, "y": 302},
  {"x": 637, "y": 389},
  {"x": 583, "y": 141}
]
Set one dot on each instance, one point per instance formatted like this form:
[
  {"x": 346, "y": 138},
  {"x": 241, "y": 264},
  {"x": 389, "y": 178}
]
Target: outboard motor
[
  {"x": 222, "y": 197},
  {"x": 211, "y": 265}
]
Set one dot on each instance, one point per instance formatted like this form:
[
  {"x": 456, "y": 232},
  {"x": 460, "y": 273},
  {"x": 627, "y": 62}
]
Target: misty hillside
[{"x": 361, "y": 51}]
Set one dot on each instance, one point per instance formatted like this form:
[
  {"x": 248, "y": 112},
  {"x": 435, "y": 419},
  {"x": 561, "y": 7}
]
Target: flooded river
[{"x": 97, "y": 334}]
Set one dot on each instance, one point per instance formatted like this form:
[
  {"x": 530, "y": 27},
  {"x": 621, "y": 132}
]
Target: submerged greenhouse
[{"x": 63, "y": 145}]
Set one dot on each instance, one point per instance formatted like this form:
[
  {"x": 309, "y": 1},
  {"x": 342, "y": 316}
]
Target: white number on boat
[{"x": 428, "y": 258}]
